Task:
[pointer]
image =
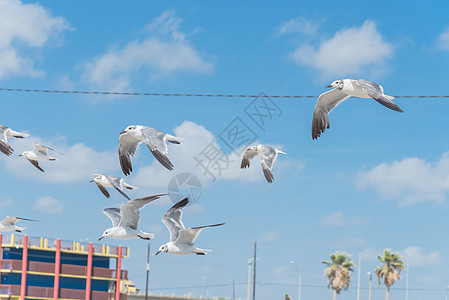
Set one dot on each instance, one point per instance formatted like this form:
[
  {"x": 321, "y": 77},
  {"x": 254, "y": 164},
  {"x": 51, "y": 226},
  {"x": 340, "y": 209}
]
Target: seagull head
[
  {"x": 25, "y": 153},
  {"x": 336, "y": 84},
  {"x": 105, "y": 233},
  {"x": 129, "y": 129},
  {"x": 96, "y": 177},
  {"x": 163, "y": 248}
]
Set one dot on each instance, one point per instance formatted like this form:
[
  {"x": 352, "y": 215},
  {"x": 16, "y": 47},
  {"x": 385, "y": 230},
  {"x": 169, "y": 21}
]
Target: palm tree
[
  {"x": 337, "y": 271},
  {"x": 389, "y": 270}
]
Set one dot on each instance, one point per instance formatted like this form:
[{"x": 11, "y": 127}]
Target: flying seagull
[
  {"x": 156, "y": 140},
  {"x": 104, "y": 181},
  {"x": 181, "y": 239},
  {"x": 267, "y": 157},
  {"x": 5, "y": 133},
  {"x": 126, "y": 219},
  {"x": 39, "y": 153},
  {"x": 8, "y": 224},
  {"x": 342, "y": 90}
]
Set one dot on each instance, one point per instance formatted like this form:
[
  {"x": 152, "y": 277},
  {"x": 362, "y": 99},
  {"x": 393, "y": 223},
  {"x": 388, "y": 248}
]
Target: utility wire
[{"x": 188, "y": 95}]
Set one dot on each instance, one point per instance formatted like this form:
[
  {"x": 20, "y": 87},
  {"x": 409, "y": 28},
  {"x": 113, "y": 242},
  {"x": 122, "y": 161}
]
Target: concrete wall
[{"x": 159, "y": 297}]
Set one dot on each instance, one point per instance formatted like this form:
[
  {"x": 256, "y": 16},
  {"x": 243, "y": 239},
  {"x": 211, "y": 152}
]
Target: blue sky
[{"x": 376, "y": 179}]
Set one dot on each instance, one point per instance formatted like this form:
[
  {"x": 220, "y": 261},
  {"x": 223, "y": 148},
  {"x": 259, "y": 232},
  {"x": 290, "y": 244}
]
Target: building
[{"x": 43, "y": 268}]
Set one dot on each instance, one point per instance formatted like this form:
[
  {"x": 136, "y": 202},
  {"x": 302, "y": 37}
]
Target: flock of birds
[{"x": 125, "y": 219}]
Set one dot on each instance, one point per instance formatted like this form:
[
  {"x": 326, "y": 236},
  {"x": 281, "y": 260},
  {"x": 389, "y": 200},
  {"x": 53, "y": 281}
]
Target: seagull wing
[
  {"x": 325, "y": 104},
  {"x": 267, "y": 159},
  {"x": 36, "y": 164},
  {"x": 130, "y": 211},
  {"x": 376, "y": 92},
  {"x": 172, "y": 219},
  {"x": 103, "y": 190},
  {"x": 189, "y": 236},
  {"x": 40, "y": 149},
  {"x": 4, "y": 147},
  {"x": 127, "y": 147},
  {"x": 114, "y": 214},
  {"x": 249, "y": 154},
  {"x": 116, "y": 182},
  {"x": 9, "y": 221},
  {"x": 156, "y": 142}
]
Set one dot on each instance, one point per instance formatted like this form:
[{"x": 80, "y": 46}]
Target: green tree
[
  {"x": 338, "y": 272},
  {"x": 389, "y": 270}
]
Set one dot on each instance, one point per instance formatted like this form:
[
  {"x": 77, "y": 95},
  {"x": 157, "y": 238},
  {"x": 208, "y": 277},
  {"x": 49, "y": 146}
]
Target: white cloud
[
  {"x": 298, "y": 25},
  {"x": 352, "y": 51},
  {"x": 24, "y": 26},
  {"x": 196, "y": 139},
  {"x": 409, "y": 181},
  {"x": 269, "y": 237},
  {"x": 443, "y": 40},
  {"x": 337, "y": 219},
  {"x": 48, "y": 205},
  {"x": 415, "y": 256},
  {"x": 164, "y": 51},
  {"x": 78, "y": 163}
]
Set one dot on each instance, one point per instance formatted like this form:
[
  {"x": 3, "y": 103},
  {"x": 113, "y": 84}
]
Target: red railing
[{"x": 66, "y": 269}]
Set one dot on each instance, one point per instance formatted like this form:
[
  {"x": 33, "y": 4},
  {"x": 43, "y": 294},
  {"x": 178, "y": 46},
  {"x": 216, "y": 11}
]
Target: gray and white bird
[
  {"x": 156, "y": 141},
  {"x": 268, "y": 156},
  {"x": 39, "y": 153},
  {"x": 342, "y": 90},
  {"x": 181, "y": 239},
  {"x": 126, "y": 219},
  {"x": 8, "y": 224},
  {"x": 104, "y": 181},
  {"x": 5, "y": 133}
]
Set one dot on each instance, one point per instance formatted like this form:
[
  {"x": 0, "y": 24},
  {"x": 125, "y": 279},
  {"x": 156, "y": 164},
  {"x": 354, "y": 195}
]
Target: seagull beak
[
  {"x": 124, "y": 131},
  {"x": 92, "y": 181},
  {"x": 101, "y": 238},
  {"x": 20, "y": 155},
  {"x": 328, "y": 86},
  {"x": 158, "y": 252}
]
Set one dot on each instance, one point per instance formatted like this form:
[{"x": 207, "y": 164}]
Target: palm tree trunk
[
  {"x": 335, "y": 295},
  {"x": 387, "y": 293}
]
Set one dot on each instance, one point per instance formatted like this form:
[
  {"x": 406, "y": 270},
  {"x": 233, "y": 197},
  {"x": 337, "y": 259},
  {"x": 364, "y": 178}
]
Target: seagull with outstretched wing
[
  {"x": 181, "y": 239},
  {"x": 342, "y": 90},
  {"x": 156, "y": 141},
  {"x": 268, "y": 156},
  {"x": 126, "y": 219}
]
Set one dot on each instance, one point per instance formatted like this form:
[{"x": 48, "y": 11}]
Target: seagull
[
  {"x": 5, "y": 133},
  {"x": 104, "y": 181},
  {"x": 39, "y": 153},
  {"x": 156, "y": 140},
  {"x": 342, "y": 90},
  {"x": 181, "y": 239},
  {"x": 267, "y": 157},
  {"x": 8, "y": 224},
  {"x": 126, "y": 219}
]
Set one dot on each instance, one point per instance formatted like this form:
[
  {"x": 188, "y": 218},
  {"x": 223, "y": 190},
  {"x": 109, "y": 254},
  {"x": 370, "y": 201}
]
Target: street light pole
[
  {"x": 148, "y": 270},
  {"x": 370, "y": 284},
  {"x": 249, "y": 278},
  {"x": 207, "y": 287},
  {"x": 299, "y": 279}
]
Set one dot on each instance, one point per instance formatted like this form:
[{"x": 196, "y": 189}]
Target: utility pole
[
  {"x": 254, "y": 270},
  {"x": 233, "y": 289},
  {"x": 148, "y": 270}
]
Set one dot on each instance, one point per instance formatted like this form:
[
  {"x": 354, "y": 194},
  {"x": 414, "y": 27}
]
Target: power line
[{"x": 189, "y": 95}]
